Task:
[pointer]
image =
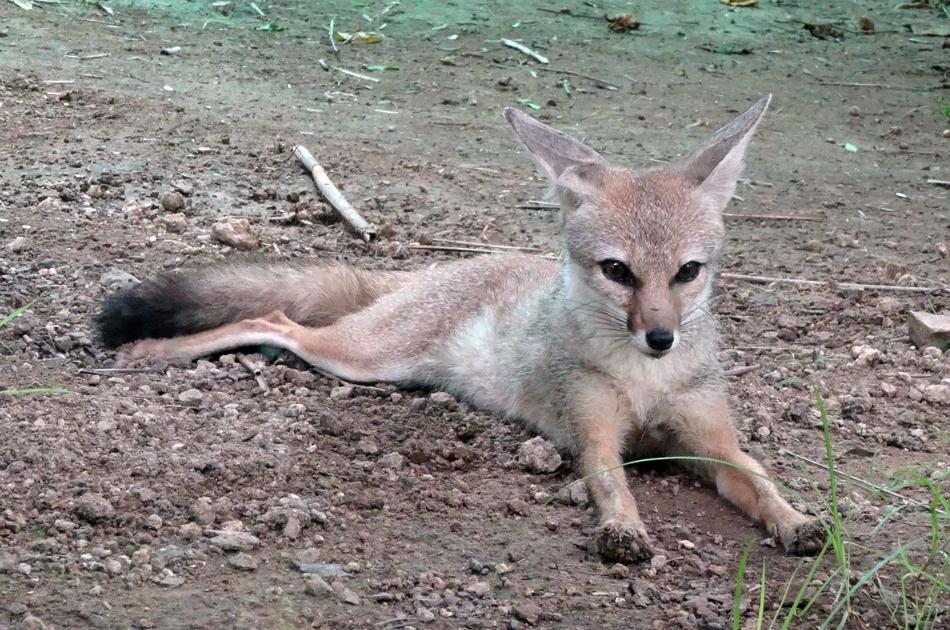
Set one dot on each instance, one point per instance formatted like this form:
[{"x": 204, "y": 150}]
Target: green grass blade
[
  {"x": 761, "y": 617},
  {"x": 32, "y": 391},
  {"x": 793, "y": 611},
  {"x": 788, "y": 587},
  {"x": 836, "y": 532},
  {"x": 737, "y": 596},
  {"x": 6, "y": 319},
  {"x": 870, "y": 573}
]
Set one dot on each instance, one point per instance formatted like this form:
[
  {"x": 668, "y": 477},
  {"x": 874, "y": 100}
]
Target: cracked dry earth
[{"x": 192, "y": 498}]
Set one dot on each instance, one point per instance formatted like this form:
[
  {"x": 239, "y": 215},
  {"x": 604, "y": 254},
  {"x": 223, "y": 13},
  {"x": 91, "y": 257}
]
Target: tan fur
[{"x": 559, "y": 346}]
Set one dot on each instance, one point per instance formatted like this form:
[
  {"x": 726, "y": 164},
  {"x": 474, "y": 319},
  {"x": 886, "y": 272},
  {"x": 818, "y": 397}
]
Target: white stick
[
  {"x": 522, "y": 48},
  {"x": 332, "y": 194},
  {"x": 355, "y": 74},
  {"x": 848, "y": 286}
]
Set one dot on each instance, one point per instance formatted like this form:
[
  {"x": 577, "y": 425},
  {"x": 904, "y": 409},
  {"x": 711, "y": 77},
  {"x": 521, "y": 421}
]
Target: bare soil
[{"x": 109, "y": 492}]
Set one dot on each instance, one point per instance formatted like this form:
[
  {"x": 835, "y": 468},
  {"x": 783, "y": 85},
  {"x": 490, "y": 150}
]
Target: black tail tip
[{"x": 145, "y": 311}]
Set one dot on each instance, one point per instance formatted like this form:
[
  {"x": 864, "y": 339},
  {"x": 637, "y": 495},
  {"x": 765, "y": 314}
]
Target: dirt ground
[{"x": 110, "y": 493}]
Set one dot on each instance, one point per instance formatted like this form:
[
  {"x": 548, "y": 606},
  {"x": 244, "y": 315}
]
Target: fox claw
[
  {"x": 626, "y": 543},
  {"x": 803, "y": 539}
]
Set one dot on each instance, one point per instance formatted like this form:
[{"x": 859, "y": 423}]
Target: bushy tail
[{"x": 184, "y": 302}]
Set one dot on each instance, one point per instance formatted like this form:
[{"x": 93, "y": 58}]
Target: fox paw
[
  {"x": 804, "y": 539},
  {"x": 624, "y": 542},
  {"x": 144, "y": 353}
]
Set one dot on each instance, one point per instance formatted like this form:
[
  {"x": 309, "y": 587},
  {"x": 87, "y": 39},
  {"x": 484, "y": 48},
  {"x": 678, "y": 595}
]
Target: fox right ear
[
  {"x": 554, "y": 151},
  {"x": 569, "y": 164}
]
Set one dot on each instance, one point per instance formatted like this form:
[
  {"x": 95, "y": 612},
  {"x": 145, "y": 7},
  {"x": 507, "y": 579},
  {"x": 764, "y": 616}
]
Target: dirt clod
[
  {"x": 93, "y": 508},
  {"x": 537, "y": 455},
  {"x": 235, "y": 232}
]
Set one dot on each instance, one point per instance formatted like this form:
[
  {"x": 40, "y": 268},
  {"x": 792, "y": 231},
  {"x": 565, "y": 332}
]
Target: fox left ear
[{"x": 716, "y": 165}]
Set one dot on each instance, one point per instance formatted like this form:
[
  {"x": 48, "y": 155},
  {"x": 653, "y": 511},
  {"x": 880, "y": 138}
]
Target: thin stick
[
  {"x": 333, "y": 195},
  {"x": 939, "y": 182},
  {"x": 255, "y": 370},
  {"x": 524, "y": 49},
  {"x": 450, "y": 248},
  {"x": 111, "y": 371},
  {"x": 739, "y": 371},
  {"x": 772, "y": 217},
  {"x": 336, "y": 51},
  {"x": 492, "y": 245},
  {"x": 545, "y": 205},
  {"x": 87, "y": 57},
  {"x": 608, "y": 84},
  {"x": 365, "y": 77},
  {"x": 767, "y": 348},
  {"x": 848, "y": 286},
  {"x": 864, "y": 482},
  {"x": 569, "y": 13}
]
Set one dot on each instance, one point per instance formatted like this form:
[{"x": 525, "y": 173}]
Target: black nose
[{"x": 660, "y": 339}]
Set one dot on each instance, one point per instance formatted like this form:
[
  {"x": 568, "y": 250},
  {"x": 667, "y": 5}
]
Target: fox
[{"x": 609, "y": 351}]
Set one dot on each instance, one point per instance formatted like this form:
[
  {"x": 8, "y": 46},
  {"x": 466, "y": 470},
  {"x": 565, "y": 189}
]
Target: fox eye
[
  {"x": 617, "y": 272},
  {"x": 688, "y": 272}
]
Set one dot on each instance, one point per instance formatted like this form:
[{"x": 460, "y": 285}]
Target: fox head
[{"x": 642, "y": 245}]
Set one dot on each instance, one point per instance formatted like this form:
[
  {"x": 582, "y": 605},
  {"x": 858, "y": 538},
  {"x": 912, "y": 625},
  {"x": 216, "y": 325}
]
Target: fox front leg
[
  {"x": 703, "y": 424},
  {"x": 601, "y": 424}
]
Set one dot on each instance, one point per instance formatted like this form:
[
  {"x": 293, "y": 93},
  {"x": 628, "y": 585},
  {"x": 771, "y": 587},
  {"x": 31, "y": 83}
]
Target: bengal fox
[{"x": 612, "y": 350}]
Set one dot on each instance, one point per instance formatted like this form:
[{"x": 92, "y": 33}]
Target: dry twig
[
  {"x": 524, "y": 49},
  {"x": 847, "y": 286},
  {"x": 864, "y": 482},
  {"x": 332, "y": 194},
  {"x": 739, "y": 371},
  {"x": 256, "y": 371}
]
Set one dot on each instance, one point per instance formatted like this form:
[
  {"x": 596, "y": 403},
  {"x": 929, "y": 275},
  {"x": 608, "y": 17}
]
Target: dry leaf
[{"x": 739, "y": 3}]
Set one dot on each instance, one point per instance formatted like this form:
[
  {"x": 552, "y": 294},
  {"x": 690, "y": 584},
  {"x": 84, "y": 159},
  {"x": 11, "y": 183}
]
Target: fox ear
[
  {"x": 572, "y": 166},
  {"x": 716, "y": 165}
]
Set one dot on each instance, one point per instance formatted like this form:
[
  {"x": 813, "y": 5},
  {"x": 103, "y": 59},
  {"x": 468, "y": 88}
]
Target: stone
[
  {"x": 93, "y": 508},
  {"x": 18, "y": 245},
  {"x": 115, "y": 278},
  {"x": 539, "y": 456},
  {"x": 112, "y": 567},
  {"x": 191, "y": 531},
  {"x": 367, "y": 446},
  {"x": 937, "y": 394},
  {"x": 234, "y": 232},
  {"x": 929, "y": 329},
  {"x": 442, "y": 399},
  {"x": 191, "y": 398},
  {"x": 479, "y": 588},
  {"x": 528, "y": 612},
  {"x": 243, "y": 561},
  {"x": 316, "y": 585},
  {"x": 393, "y": 460},
  {"x": 341, "y": 392},
  {"x": 235, "y": 541},
  {"x": 865, "y": 355},
  {"x": 344, "y": 594},
  {"x": 175, "y": 222},
  {"x": 153, "y": 521},
  {"x": 292, "y": 527},
  {"x": 172, "y": 201},
  {"x": 32, "y": 622}
]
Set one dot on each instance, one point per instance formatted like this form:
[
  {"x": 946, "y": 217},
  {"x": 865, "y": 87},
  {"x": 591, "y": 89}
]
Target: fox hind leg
[{"x": 329, "y": 348}]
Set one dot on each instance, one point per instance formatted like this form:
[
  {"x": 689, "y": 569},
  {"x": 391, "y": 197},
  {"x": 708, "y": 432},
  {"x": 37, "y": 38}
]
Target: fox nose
[{"x": 660, "y": 339}]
